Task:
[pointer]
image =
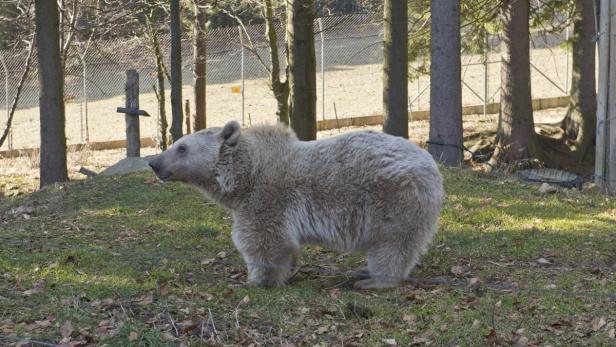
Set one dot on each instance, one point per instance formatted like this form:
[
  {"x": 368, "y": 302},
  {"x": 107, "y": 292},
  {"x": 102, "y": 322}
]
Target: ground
[{"x": 130, "y": 261}]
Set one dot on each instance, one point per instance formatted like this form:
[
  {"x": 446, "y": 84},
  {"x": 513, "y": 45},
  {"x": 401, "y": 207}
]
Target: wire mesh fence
[{"x": 349, "y": 78}]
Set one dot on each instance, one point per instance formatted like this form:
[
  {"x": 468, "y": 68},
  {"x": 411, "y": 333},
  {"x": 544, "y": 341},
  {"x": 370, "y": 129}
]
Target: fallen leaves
[
  {"x": 66, "y": 329},
  {"x": 598, "y": 323}
]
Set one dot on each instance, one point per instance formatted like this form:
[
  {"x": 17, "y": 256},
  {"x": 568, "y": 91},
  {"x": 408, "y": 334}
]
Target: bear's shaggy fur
[{"x": 364, "y": 192}]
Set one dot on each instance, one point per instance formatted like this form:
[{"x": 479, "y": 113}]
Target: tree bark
[
  {"x": 395, "y": 68},
  {"x": 200, "y": 65},
  {"x": 445, "y": 86},
  {"x": 302, "y": 68},
  {"x": 51, "y": 99},
  {"x": 516, "y": 132},
  {"x": 279, "y": 88},
  {"x": 580, "y": 122},
  {"x": 176, "y": 72}
]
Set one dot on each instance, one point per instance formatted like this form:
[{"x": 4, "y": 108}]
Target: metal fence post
[
  {"x": 239, "y": 30},
  {"x": 322, "y": 68}
]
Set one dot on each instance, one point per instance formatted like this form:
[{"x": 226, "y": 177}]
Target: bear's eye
[{"x": 181, "y": 149}]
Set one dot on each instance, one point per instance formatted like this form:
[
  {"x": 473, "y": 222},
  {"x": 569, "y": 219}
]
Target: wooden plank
[
  {"x": 133, "y": 147},
  {"x": 132, "y": 111}
]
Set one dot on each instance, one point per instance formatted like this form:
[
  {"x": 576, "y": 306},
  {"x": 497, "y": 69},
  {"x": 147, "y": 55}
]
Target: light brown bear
[{"x": 365, "y": 192}]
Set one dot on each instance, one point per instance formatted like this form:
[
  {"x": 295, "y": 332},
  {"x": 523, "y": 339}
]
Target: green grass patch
[{"x": 122, "y": 261}]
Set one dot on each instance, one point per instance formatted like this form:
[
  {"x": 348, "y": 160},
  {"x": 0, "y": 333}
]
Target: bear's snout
[{"x": 157, "y": 166}]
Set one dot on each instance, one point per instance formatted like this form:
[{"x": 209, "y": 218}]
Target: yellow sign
[{"x": 236, "y": 89}]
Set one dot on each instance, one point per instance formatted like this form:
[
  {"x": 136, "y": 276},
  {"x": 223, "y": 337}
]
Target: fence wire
[{"x": 349, "y": 78}]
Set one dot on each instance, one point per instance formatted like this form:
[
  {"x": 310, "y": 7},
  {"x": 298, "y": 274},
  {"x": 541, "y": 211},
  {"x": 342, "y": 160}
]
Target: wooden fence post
[
  {"x": 132, "y": 113},
  {"x": 187, "y": 114},
  {"x": 133, "y": 147}
]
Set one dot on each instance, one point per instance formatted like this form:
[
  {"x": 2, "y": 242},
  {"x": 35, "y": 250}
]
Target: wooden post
[
  {"x": 187, "y": 113},
  {"x": 132, "y": 113},
  {"x": 133, "y": 146},
  {"x": 610, "y": 119}
]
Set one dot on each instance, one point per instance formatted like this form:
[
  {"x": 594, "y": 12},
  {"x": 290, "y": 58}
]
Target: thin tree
[
  {"x": 301, "y": 63},
  {"x": 395, "y": 68},
  {"x": 279, "y": 88},
  {"x": 176, "y": 72},
  {"x": 580, "y": 121},
  {"x": 150, "y": 17},
  {"x": 516, "y": 138},
  {"x": 51, "y": 99},
  {"x": 200, "y": 59},
  {"x": 445, "y": 83}
]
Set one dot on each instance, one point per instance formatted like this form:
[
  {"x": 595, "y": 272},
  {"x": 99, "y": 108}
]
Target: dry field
[{"x": 355, "y": 91}]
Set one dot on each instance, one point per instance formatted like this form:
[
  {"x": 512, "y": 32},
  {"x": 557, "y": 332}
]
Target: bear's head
[{"x": 205, "y": 156}]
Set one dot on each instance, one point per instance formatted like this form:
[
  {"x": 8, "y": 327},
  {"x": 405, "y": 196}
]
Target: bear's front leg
[
  {"x": 271, "y": 271},
  {"x": 271, "y": 257}
]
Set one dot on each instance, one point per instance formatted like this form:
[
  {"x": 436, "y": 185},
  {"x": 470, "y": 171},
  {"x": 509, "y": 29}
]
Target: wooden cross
[{"x": 132, "y": 113}]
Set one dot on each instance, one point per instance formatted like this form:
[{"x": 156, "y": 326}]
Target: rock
[
  {"x": 547, "y": 188},
  {"x": 591, "y": 188},
  {"x": 128, "y": 165}
]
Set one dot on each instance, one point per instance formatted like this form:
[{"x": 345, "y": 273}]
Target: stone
[{"x": 128, "y": 166}]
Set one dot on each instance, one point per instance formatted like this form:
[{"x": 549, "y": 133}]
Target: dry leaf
[
  {"x": 612, "y": 333},
  {"x": 486, "y": 202},
  {"x": 245, "y": 300},
  {"x": 543, "y": 261},
  {"x": 390, "y": 342},
  {"x": 66, "y": 329},
  {"x": 133, "y": 336},
  {"x": 476, "y": 324},
  {"x": 410, "y": 318},
  {"x": 457, "y": 270},
  {"x": 598, "y": 323},
  {"x": 522, "y": 341}
]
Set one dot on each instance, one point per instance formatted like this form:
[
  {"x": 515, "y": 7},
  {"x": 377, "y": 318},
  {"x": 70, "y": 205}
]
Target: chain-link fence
[{"x": 349, "y": 78}]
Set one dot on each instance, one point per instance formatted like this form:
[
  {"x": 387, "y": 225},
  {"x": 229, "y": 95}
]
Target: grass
[{"x": 127, "y": 261}]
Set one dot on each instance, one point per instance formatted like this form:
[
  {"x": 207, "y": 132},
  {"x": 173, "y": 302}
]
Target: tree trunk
[
  {"x": 279, "y": 88},
  {"x": 395, "y": 68},
  {"x": 302, "y": 68},
  {"x": 160, "y": 78},
  {"x": 200, "y": 65},
  {"x": 445, "y": 84},
  {"x": 580, "y": 121},
  {"x": 176, "y": 72},
  {"x": 51, "y": 89},
  {"x": 516, "y": 132}
]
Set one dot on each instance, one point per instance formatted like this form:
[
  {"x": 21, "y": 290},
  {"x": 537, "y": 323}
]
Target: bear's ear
[{"x": 230, "y": 134}]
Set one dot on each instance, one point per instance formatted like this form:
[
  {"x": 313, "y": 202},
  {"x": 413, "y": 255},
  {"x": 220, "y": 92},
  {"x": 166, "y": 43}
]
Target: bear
[{"x": 361, "y": 192}]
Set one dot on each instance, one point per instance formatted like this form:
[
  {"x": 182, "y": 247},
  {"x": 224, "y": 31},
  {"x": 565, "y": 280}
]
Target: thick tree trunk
[
  {"x": 445, "y": 86},
  {"x": 200, "y": 65},
  {"x": 51, "y": 99},
  {"x": 580, "y": 121},
  {"x": 302, "y": 68},
  {"x": 176, "y": 72},
  {"x": 395, "y": 68},
  {"x": 516, "y": 132},
  {"x": 279, "y": 88}
]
